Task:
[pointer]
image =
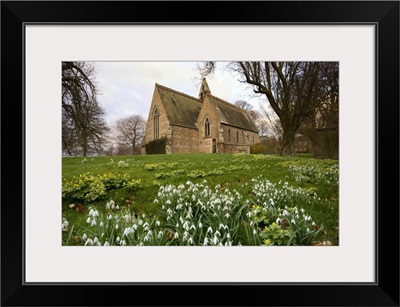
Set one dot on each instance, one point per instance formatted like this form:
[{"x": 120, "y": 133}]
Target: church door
[{"x": 214, "y": 146}]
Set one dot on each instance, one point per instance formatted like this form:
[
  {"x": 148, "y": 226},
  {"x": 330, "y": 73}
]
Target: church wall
[
  {"x": 184, "y": 140},
  {"x": 164, "y": 127},
  {"x": 206, "y": 142},
  {"x": 232, "y": 145}
]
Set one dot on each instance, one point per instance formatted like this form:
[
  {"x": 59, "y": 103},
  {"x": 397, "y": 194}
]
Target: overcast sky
[{"x": 126, "y": 88}]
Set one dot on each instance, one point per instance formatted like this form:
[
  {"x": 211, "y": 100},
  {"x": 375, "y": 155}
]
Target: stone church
[{"x": 206, "y": 124}]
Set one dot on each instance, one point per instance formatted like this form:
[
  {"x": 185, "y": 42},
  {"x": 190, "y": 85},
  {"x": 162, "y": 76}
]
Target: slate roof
[
  {"x": 232, "y": 115},
  {"x": 181, "y": 109}
]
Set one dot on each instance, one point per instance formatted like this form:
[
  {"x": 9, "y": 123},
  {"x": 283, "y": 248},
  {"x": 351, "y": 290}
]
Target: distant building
[{"x": 206, "y": 124}]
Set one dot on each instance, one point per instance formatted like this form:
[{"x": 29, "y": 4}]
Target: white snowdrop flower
[
  {"x": 228, "y": 235},
  {"x": 254, "y": 232},
  {"x": 91, "y": 212},
  {"x": 176, "y": 236},
  {"x": 278, "y": 220},
  {"x": 117, "y": 207},
  {"x": 95, "y": 240},
  {"x": 134, "y": 226},
  {"x": 190, "y": 241},
  {"x": 127, "y": 231},
  {"x": 158, "y": 223},
  {"x": 205, "y": 241},
  {"x": 249, "y": 214},
  {"x": 293, "y": 222},
  {"x": 141, "y": 244},
  {"x": 285, "y": 213},
  {"x": 95, "y": 213},
  {"x": 101, "y": 224},
  {"x": 193, "y": 227},
  {"x": 297, "y": 216},
  {"x": 123, "y": 242},
  {"x": 102, "y": 234},
  {"x": 163, "y": 207},
  {"x": 106, "y": 244},
  {"x": 118, "y": 239},
  {"x": 217, "y": 233},
  {"x": 185, "y": 235},
  {"x": 140, "y": 222},
  {"x": 84, "y": 237},
  {"x": 127, "y": 218},
  {"x": 143, "y": 215},
  {"x": 308, "y": 229},
  {"x": 215, "y": 214},
  {"x": 168, "y": 202},
  {"x": 89, "y": 242},
  {"x": 146, "y": 238},
  {"x": 169, "y": 211},
  {"x": 215, "y": 240},
  {"x": 116, "y": 226},
  {"x": 221, "y": 226},
  {"x": 93, "y": 223},
  {"x": 200, "y": 225},
  {"x": 209, "y": 229},
  {"x": 109, "y": 216},
  {"x": 302, "y": 210},
  {"x": 88, "y": 220},
  {"x": 227, "y": 215}
]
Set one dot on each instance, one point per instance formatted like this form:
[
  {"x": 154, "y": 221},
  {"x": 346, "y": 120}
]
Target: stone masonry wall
[
  {"x": 205, "y": 142},
  {"x": 184, "y": 140}
]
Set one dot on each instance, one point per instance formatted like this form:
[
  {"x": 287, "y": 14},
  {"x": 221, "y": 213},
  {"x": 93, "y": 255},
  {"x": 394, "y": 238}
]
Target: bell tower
[{"x": 204, "y": 89}]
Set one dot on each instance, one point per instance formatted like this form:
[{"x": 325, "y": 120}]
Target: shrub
[
  {"x": 156, "y": 146},
  {"x": 258, "y": 148}
]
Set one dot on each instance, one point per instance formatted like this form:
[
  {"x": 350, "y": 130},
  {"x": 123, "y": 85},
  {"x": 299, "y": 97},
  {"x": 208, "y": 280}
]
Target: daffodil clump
[
  {"x": 89, "y": 187},
  {"x": 275, "y": 208}
]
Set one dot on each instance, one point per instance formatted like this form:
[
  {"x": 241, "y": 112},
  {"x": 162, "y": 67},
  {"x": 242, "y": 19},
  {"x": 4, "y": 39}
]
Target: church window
[
  {"x": 229, "y": 135},
  {"x": 237, "y": 136},
  {"x": 156, "y": 124},
  {"x": 207, "y": 127}
]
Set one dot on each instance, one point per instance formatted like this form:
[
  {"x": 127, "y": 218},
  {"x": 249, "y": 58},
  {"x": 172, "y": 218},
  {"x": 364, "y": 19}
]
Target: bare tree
[
  {"x": 130, "y": 131},
  {"x": 294, "y": 90},
  {"x": 254, "y": 115},
  {"x": 83, "y": 123}
]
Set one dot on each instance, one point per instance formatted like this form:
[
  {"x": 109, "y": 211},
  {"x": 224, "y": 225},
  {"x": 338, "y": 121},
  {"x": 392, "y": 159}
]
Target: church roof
[
  {"x": 232, "y": 115},
  {"x": 181, "y": 109}
]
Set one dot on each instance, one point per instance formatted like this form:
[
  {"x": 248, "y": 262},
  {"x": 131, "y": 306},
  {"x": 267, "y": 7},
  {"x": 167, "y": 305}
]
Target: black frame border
[{"x": 16, "y": 14}]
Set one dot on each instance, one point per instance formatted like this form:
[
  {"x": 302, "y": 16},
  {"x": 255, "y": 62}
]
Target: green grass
[{"x": 234, "y": 172}]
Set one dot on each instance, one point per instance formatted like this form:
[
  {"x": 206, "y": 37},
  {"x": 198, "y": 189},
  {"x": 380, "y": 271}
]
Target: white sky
[{"x": 126, "y": 88}]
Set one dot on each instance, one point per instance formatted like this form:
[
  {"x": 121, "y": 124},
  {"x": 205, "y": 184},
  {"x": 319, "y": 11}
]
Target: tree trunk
[{"x": 288, "y": 142}]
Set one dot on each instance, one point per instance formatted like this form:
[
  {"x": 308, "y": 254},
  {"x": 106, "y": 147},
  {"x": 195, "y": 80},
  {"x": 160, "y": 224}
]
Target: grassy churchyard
[{"x": 200, "y": 199}]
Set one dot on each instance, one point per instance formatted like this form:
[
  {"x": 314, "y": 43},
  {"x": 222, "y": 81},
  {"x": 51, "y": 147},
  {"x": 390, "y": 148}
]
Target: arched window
[
  {"x": 156, "y": 124},
  {"x": 237, "y": 136},
  {"x": 229, "y": 135},
  {"x": 207, "y": 127}
]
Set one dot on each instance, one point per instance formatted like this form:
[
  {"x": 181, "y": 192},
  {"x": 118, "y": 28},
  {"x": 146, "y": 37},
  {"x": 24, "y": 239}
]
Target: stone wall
[
  {"x": 164, "y": 127},
  {"x": 184, "y": 140}
]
